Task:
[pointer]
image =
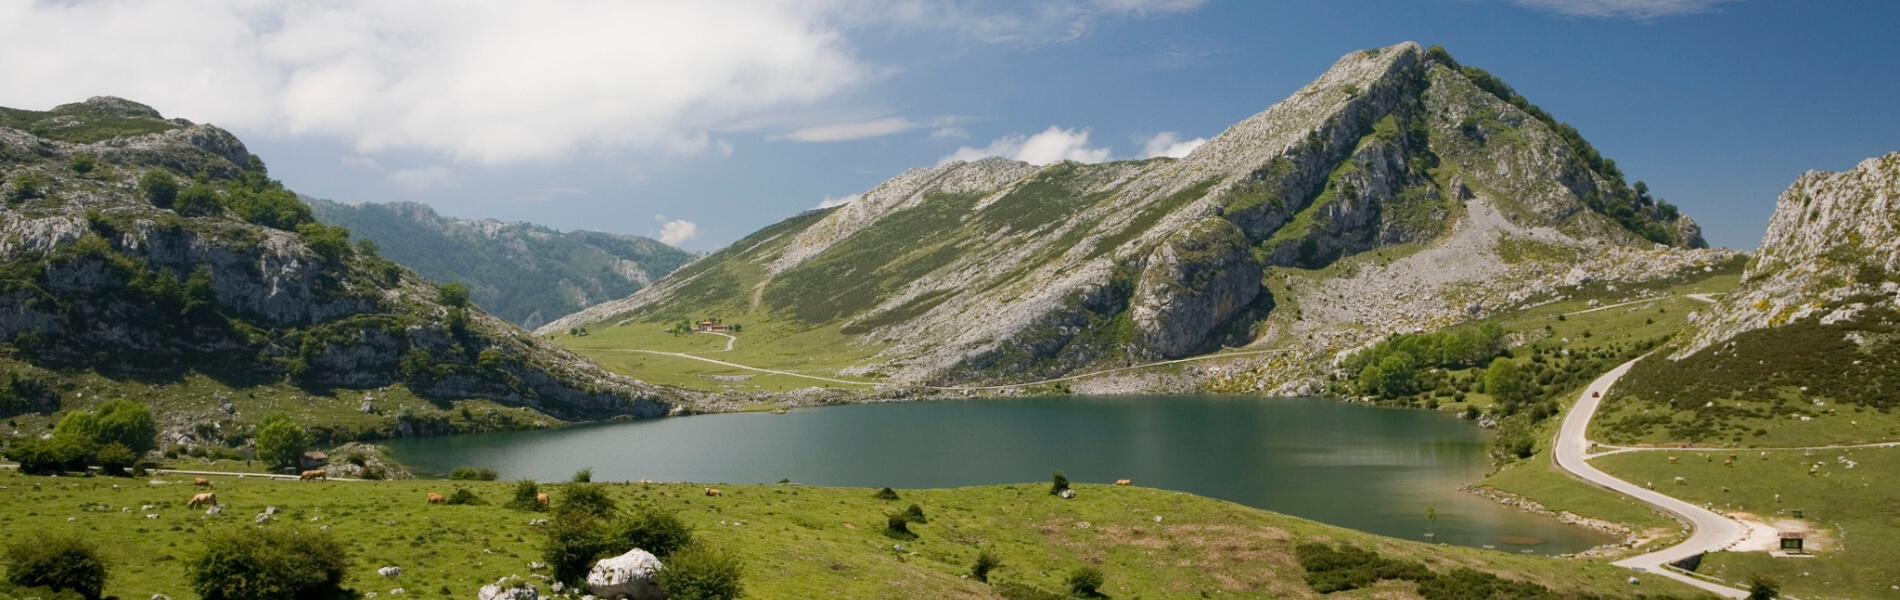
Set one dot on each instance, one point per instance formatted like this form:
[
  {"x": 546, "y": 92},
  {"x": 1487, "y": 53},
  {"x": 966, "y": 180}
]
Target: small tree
[
  {"x": 1762, "y": 588},
  {"x": 115, "y": 458},
  {"x": 527, "y": 496},
  {"x": 1058, "y": 482},
  {"x": 269, "y": 564},
  {"x": 586, "y": 498},
  {"x": 27, "y": 186},
  {"x": 985, "y": 563},
  {"x": 574, "y": 543},
  {"x": 584, "y": 475},
  {"x": 702, "y": 573},
  {"x": 199, "y": 200},
  {"x": 652, "y": 529},
  {"x": 453, "y": 294},
  {"x": 83, "y": 162},
  {"x": 57, "y": 562},
  {"x": 159, "y": 188},
  {"x": 128, "y": 423},
  {"x": 280, "y": 441},
  {"x": 915, "y": 514},
  {"x": 897, "y": 526},
  {"x": 885, "y": 494},
  {"x": 1086, "y": 582}
]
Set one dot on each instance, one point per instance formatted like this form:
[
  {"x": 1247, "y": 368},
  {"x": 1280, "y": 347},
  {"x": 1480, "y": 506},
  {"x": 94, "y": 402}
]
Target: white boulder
[
  {"x": 390, "y": 571},
  {"x": 628, "y": 576},
  {"x": 509, "y": 588}
]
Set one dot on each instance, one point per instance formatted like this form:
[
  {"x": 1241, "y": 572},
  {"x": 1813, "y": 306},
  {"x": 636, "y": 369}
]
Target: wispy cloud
[
  {"x": 423, "y": 179},
  {"x": 548, "y": 194},
  {"x": 829, "y": 202},
  {"x": 1052, "y": 145},
  {"x": 840, "y": 132},
  {"x": 1632, "y": 9},
  {"x": 674, "y": 231},
  {"x": 1169, "y": 144}
]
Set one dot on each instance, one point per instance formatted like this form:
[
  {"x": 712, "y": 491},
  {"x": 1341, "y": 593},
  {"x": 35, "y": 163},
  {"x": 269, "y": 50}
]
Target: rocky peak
[{"x": 109, "y": 106}]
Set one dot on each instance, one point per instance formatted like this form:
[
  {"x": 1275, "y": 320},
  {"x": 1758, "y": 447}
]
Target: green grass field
[
  {"x": 764, "y": 343},
  {"x": 798, "y": 542},
  {"x": 1854, "y": 510}
]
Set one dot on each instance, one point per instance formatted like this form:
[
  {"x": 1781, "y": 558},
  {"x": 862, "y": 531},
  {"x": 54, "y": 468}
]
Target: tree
[
  {"x": 329, "y": 242},
  {"x": 1086, "y": 582},
  {"x": 702, "y": 573},
  {"x": 527, "y": 497},
  {"x": 269, "y": 564},
  {"x": 129, "y": 424},
  {"x": 1506, "y": 382},
  {"x": 199, "y": 200},
  {"x": 83, "y": 163},
  {"x": 453, "y": 294},
  {"x": 159, "y": 188},
  {"x": 115, "y": 458},
  {"x": 1762, "y": 588},
  {"x": 58, "y": 562},
  {"x": 280, "y": 441},
  {"x": 652, "y": 529}
]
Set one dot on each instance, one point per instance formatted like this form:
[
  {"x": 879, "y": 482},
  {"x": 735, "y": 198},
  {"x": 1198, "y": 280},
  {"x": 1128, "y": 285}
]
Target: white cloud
[
  {"x": 829, "y": 202},
  {"x": 840, "y": 132},
  {"x": 950, "y": 132},
  {"x": 1018, "y": 22},
  {"x": 417, "y": 180},
  {"x": 1169, "y": 144},
  {"x": 1635, "y": 9},
  {"x": 550, "y": 193},
  {"x": 675, "y": 231},
  {"x": 487, "y": 82},
  {"x": 1052, "y": 145}
]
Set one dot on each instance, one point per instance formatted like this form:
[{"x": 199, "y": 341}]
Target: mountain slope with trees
[{"x": 521, "y": 272}]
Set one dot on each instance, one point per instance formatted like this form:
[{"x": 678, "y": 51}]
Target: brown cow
[
  {"x": 1123, "y": 481},
  {"x": 713, "y": 492},
  {"x": 435, "y": 498},
  {"x": 207, "y": 498},
  {"x": 541, "y": 498},
  {"x": 200, "y": 482},
  {"x": 313, "y": 475}
]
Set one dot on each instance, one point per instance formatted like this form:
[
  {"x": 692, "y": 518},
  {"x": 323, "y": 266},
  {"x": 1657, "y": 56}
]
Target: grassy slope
[
  {"x": 799, "y": 542},
  {"x": 764, "y": 342},
  {"x": 1857, "y": 507}
]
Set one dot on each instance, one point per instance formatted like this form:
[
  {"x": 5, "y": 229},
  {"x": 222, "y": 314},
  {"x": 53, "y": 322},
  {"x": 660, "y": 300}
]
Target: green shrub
[
  {"x": 574, "y": 543},
  {"x": 1086, "y": 582},
  {"x": 461, "y": 496},
  {"x": 27, "y": 186},
  {"x": 159, "y": 188},
  {"x": 280, "y": 441},
  {"x": 466, "y": 473},
  {"x": 329, "y": 242},
  {"x": 652, "y": 529},
  {"x": 273, "y": 207},
  {"x": 897, "y": 526},
  {"x": 527, "y": 496},
  {"x": 915, "y": 514},
  {"x": 115, "y": 458},
  {"x": 583, "y": 475},
  {"x": 57, "y": 562},
  {"x": 585, "y": 498},
  {"x": 453, "y": 294},
  {"x": 269, "y": 564},
  {"x": 985, "y": 563},
  {"x": 1058, "y": 482},
  {"x": 82, "y": 162},
  {"x": 199, "y": 200},
  {"x": 62, "y": 452},
  {"x": 885, "y": 494},
  {"x": 1762, "y": 588},
  {"x": 127, "y": 423},
  {"x": 698, "y": 572},
  {"x": 1350, "y": 567}
]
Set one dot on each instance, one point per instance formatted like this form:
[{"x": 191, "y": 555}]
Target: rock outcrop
[
  {"x": 626, "y": 577},
  {"x": 1195, "y": 281}
]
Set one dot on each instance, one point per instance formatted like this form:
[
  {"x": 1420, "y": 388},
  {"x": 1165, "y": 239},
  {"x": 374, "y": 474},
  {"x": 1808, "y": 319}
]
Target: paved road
[{"x": 1710, "y": 531}]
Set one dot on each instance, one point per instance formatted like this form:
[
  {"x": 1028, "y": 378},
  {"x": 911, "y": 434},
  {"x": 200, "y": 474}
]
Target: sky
[{"x": 699, "y": 121}]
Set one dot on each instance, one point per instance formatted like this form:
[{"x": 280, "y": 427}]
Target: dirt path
[
  {"x": 957, "y": 387},
  {"x": 1703, "y": 297}
]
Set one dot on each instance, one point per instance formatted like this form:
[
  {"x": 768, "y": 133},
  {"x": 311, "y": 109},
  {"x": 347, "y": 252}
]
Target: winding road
[{"x": 1709, "y": 531}]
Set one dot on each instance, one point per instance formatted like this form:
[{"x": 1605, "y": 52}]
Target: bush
[
  {"x": 651, "y": 529},
  {"x": 915, "y": 514},
  {"x": 199, "y": 200},
  {"x": 115, "y": 458},
  {"x": 584, "y": 475},
  {"x": 1086, "y": 582},
  {"x": 159, "y": 188},
  {"x": 1762, "y": 588},
  {"x": 128, "y": 423},
  {"x": 985, "y": 563},
  {"x": 27, "y": 186},
  {"x": 897, "y": 526},
  {"x": 585, "y": 498},
  {"x": 329, "y": 242},
  {"x": 527, "y": 494},
  {"x": 574, "y": 543},
  {"x": 83, "y": 163},
  {"x": 269, "y": 564},
  {"x": 885, "y": 494},
  {"x": 701, "y": 573},
  {"x": 62, "y": 452},
  {"x": 57, "y": 562},
  {"x": 462, "y": 496},
  {"x": 1058, "y": 482},
  {"x": 279, "y": 441},
  {"x": 466, "y": 473},
  {"x": 453, "y": 294}
]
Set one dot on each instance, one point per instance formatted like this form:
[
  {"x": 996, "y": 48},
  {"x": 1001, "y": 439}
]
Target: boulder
[
  {"x": 509, "y": 588},
  {"x": 628, "y": 576},
  {"x": 1066, "y": 493}
]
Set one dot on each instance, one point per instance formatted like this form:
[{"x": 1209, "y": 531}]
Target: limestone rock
[
  {"x": 628, "y": 576},
  {"x": 1195, "y": 281},
  {"x": 509, "y": 588}
]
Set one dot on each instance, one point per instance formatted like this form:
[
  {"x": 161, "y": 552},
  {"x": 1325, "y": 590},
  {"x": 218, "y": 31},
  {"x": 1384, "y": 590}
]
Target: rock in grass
[
  {"x": 628, "y": 576},
  {"x": 509, "y": 588}
]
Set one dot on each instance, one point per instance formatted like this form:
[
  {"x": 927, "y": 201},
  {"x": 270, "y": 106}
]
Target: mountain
[
  {"x": 1398, "y": 191},
  {"x": 139, "y": 249},
  {"x": 522, "y": 272},
  {"x": 1808, "y": 337}
]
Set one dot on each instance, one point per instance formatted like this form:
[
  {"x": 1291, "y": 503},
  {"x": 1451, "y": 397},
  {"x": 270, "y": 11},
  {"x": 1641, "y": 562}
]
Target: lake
[{"x": 1356, "y": 466}]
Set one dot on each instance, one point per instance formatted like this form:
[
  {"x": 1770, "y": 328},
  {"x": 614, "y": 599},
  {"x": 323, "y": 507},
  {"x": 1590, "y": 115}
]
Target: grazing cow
[
  {"x": 313, "y": 475},
  {"x": 713, "y": 492},
  {"x": 644, "y": 480},
  {"x": 200, "y": 482},
  {"x": 1681, "y": 481},
  {"x": 1729, "y": 463},
  {"x": 1123, "y": 481},
  {"x": 1672, "y": 460},
  {"x": 204, "y": 499},
  {"x": 541, "y": 498},
  {"x": 435, "y": 498}
]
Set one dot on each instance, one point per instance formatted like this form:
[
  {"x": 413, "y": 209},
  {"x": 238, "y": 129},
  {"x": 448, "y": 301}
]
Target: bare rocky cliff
[{"x": 226, "y": 274}]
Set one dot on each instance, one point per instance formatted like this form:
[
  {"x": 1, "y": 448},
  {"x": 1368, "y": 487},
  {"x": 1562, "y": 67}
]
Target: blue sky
[{"x": 704, "y": 121}]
